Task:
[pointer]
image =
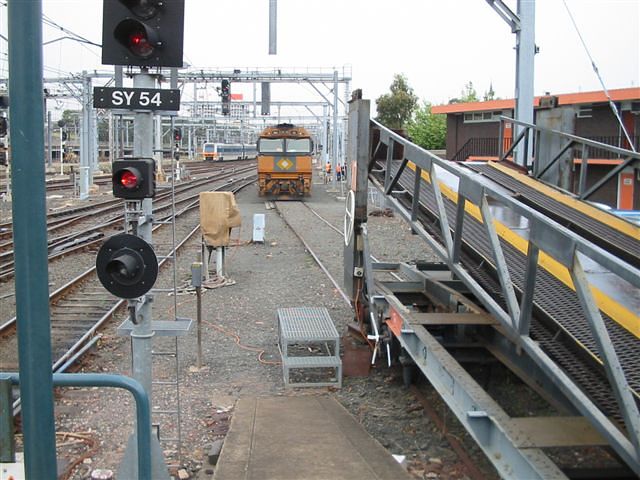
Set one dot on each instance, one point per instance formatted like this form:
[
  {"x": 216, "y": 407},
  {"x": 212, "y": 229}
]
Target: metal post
[
  {"x": 142, "y": 332},
  {"x": 325, "y": 135},
  {"x": 95, "y": 153},
  {"x": 255, "y": 106},
  {"x": 30, "y": 238},
  {"x": 85, "y": 137},
  {"x": 334, "y": 160},
  {"x": 196, "y": 282},
  {"x": 220, "y": 259},
  {"x": 525, "y": 52},
  {"x": 61, "y": 153},
  {"x": 358, "y": 154},
  {"x": 111, "y": 135},
  {"x": 159, "y": 154},
  {"x": 7, "y": 439},
  {"x": 195, "y": 99},
  {"x": 49, "y": 141},
  {"x": 273, "y": 26},
  {"x": 199, "y": 320}
]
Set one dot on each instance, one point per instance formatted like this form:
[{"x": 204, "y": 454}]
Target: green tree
[
  {"x": 70, "y": 117},
  {"x": 469, "y": 94},
  {"x": 395, "y": 108},
  {"x": 489, "y": 94},
  {"x": 429, "y": 130}
]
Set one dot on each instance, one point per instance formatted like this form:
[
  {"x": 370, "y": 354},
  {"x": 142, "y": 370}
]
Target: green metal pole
[{"x": 30, "y": 237}]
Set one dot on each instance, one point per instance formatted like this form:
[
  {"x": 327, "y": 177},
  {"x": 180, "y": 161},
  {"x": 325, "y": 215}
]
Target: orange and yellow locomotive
[{"x": 284, "y": 161}]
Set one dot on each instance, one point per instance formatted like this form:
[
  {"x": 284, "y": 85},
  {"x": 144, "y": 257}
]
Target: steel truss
[
  {"x": 507, "y": 442},
  {"x": 532, "y": 132}
]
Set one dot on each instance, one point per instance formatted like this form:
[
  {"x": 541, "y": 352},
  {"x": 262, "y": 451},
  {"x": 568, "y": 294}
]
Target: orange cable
[{"x": 237, "y": 340}]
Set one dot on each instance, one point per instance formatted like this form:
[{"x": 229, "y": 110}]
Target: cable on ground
[{"x": 238, "y": 342}]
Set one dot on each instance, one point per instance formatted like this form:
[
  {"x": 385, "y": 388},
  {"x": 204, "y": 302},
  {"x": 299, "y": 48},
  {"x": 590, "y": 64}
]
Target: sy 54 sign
[{"x": 136, "y": 98}]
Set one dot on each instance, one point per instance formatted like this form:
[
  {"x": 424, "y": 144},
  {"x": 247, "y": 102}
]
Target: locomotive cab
[{"x": 284, "y": 162}]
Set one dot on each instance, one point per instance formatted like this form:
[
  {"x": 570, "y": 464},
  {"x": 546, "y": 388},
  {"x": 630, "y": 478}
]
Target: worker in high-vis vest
[{"x": 327, "y": 172}]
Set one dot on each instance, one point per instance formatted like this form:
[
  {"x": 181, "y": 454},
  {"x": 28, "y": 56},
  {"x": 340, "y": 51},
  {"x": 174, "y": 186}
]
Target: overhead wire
[
  {"x": 597, "y": 72},
  {"x": 48, "y": 21}
]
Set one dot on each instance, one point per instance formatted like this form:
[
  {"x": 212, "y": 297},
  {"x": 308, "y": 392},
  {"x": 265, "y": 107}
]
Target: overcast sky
[{"x": 439, "y": 45}]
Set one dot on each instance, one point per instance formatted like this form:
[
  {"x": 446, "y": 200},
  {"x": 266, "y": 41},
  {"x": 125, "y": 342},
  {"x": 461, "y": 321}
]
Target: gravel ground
[{"x": 240, "y": 354}]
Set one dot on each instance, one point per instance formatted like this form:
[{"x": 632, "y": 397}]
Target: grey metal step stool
[{"x": 308, "y": 326}]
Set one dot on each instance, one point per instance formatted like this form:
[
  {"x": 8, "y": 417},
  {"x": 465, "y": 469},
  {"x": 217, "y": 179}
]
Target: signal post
[{"x": 146, "y": 34}]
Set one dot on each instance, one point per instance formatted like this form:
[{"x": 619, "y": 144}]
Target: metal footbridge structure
[{"x": 543, "y": 281}]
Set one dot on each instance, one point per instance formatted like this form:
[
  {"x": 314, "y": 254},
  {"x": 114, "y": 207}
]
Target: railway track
[
  {"x": 467, "y": 464},
  {"x": 63, "y": 215},
  {"x": 80, "y": 308},
  {"x": 67, "y": 184},
  {"x": 83, "y": 225}
]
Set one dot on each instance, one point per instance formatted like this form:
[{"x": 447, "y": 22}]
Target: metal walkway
[
  {"x": 557, "y": 324},
  {"x": 558, "y": 321}
]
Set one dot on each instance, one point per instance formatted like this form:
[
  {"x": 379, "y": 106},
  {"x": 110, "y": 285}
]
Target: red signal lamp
[
  {"x": 129, "y": 178},
  {"x": 134, "y": 178},
  {"x": 138, "y": 38},
  {"x": 145, "y": 33}
]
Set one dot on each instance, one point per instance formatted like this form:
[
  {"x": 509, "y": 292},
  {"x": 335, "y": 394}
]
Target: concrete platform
[{"x": 301, "y": 438}]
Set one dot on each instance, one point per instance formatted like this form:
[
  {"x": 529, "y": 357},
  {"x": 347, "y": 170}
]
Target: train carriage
[
  {"x": 284, "y": 161},
  {"x": 218, "y": 152}
]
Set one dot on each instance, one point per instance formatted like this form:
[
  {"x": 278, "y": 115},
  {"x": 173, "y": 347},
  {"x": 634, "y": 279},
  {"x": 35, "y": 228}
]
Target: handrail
[
  {"x": 558, "y": 242},
  {"x": 423, "y": 158},
  {"x": 480, "y": 146},
  {"x": 143, "y": 411},
  {"x": 585, "y": 144}
]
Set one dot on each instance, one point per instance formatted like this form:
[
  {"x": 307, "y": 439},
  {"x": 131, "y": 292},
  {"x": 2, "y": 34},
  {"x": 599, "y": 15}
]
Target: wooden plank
[{"x": 451, "y": 319}]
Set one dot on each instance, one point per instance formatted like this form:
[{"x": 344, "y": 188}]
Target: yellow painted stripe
[
  {"x": 627, "y": 319},
  {"x": 579, "y": 205}
]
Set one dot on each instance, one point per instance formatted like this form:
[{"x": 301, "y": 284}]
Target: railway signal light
[
  {"x": 143, "y": 32},
  {"x": 177, "y": 134},
  {"x": 134, "y": 179},
  {"x": 127, "y": 266},
  {"x": 226, "y": 96}
]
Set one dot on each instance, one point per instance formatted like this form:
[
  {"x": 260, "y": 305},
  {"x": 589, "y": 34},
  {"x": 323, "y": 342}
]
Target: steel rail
[
  {"x": 342, "y": 234},
  {"x": 71, "y": 285},
  {"x": 316, "y": 258},
  {"x": 75, "y": 213},
  {"x": 82, "y": 344},
  {"x": 86, "y": 237}
]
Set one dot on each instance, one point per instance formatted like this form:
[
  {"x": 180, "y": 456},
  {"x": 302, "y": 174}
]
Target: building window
[
  {"x": 477, "y": 117},
  {"x": 585, "y": 111}
]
